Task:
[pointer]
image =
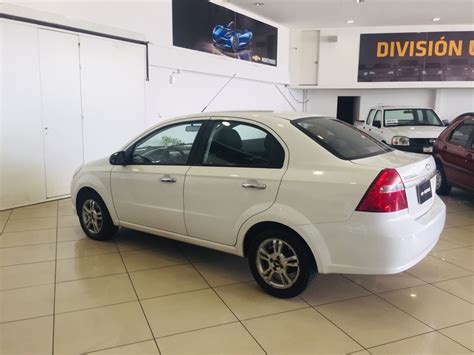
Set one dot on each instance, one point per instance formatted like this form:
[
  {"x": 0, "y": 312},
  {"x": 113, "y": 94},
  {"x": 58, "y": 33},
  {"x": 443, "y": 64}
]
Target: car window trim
[
  {"x": 205, "y": 139},
  {"x": 129, "y": 151}
]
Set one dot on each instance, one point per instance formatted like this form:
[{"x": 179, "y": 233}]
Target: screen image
[
  {"x": 420, "y": 56},
  {"x": 204, "y": 26}
]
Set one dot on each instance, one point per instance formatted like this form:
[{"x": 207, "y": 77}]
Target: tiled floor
[{"x": 141, "y": 294}]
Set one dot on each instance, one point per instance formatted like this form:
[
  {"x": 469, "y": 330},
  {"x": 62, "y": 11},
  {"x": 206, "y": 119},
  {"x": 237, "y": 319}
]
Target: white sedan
[{"x": 297, "y": 194}]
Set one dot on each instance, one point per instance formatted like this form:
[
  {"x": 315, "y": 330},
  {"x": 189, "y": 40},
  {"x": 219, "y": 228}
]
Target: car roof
[{"x": 393, "y": 107}]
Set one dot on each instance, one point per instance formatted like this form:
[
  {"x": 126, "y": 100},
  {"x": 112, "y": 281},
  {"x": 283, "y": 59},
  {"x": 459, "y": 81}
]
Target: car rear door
[
  {"x": 239, "y": 169},
  {"x": 148, "y": 191},
  {"x": 457, "y": 153}
]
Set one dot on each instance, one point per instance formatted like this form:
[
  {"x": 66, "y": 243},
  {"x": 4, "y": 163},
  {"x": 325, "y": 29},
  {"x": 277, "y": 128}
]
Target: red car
[{"x": 454, "y": 155}]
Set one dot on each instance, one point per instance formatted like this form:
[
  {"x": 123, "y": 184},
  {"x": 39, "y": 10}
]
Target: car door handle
[
  {"x": 168, "y": 179},
  {"x": 254, "y": 185}
]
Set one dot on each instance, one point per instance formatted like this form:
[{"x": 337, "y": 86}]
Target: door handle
[
  {"x": 168, "y": 179},
  {"x": 254, "y": 185}
]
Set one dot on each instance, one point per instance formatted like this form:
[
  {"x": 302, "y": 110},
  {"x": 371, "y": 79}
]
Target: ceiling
[{"x": 335, "y": 13}]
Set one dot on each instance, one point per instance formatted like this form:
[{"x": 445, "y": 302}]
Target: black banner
[
  {"x": 207, "y": 27},
  {"x": 422, "y": 56}
]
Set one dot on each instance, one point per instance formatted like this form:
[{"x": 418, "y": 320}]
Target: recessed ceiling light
[
  {"x": 359, "y": 1},
  {"x": 436, "y": 19},
  {"x": 350, "y": 21},
  {"x": 259, "y": 4}
]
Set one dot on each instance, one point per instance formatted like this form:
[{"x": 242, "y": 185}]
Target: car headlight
[
  {"x": 76, "y": 171},
  {"x": 401, "y": 140},
  {"x": 390, "y": 72},
  {"x": 440, "y": 72},
  {"x": 365, "y": 74},
  {"x": 423, "y": 72}
]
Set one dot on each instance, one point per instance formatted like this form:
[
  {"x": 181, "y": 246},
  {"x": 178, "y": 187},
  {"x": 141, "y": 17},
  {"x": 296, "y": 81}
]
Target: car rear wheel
[
  {"x": 94, "y": 217},
  {"x": 442, "y": 186},
  {"x": 281, "y": 263},
  {"x": 235, "y": 43}
]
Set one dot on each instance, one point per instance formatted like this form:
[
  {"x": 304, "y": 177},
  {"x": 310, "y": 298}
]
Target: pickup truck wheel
[
  {"x": 94, "y": 217},
  {"x": 281, "y": 263},
  {"x": 442, "y": 186}
]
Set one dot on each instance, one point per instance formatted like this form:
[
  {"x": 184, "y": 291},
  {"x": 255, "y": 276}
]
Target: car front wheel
[
  {"x": 94, "y": 217},
  {"x": 281, "y": 263}
]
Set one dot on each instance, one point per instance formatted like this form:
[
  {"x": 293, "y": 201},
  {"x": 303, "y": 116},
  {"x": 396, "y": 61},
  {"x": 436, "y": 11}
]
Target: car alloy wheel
[
  {"x": 92, "y": 216},
  {"x": 438, "y": 179},
  {"x": 277, "y": 263}
]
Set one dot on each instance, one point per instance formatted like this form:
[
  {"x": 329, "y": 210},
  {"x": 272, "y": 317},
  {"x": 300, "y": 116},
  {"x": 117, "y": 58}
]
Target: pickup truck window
[
  {"x": 370, "y": 116},
  {"x": 411, "y": 117},
  {"x": 378, "y": 118}
]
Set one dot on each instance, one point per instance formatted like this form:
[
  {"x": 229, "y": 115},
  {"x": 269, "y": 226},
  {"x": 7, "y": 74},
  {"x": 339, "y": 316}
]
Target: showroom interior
[{"x": 80, "y": 79}]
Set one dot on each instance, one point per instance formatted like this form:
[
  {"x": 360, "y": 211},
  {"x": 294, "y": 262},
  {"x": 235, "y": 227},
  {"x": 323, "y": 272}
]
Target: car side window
[
  {"x": 377, "y": 118},
  {"x": 460, "y": 135},
  {"x": 170, "y": 145},
  {"x": 370, "y": 116},
  {"x": 238, "y": 144}
]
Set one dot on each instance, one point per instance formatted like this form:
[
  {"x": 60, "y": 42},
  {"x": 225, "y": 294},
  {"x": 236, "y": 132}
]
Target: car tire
[
  {"x": 442, "y": 186},
  {"x": 94, "y": 217},
  {"x": 272, "y": 255},
  {"x": 234, "y": 43}
]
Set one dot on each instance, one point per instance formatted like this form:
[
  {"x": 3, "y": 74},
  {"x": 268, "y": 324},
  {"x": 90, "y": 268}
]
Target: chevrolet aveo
[{"x": 296, "y": 194}]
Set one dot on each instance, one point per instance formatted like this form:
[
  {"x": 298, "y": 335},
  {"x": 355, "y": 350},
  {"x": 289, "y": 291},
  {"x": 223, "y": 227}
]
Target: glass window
[
  {"x": 168, "y": 146},
  {"x": 378, "y": 118},
  {"x": 411, "y": 117},
  {"x": 341, "y": 139},
  {"x": 370, "y": 116},
  {"x": 460, "y": 135},
  {"x": 238, "y": 144}
]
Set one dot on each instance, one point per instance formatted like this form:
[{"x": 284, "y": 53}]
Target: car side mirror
[
  {"x": 377, "y": 124},
  {"x": 446, "y": 123},
  {"x": 118, "y": 158}
]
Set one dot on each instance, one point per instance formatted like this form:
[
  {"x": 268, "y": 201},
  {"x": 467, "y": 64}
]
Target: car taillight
[{"x": 386, "y": 194}]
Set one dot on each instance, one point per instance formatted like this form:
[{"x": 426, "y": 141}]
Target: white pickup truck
[{"x": 412, "y": 129}]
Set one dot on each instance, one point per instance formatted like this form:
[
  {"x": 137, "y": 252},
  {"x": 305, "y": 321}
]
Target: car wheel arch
[{"x": 81, "y": 192}]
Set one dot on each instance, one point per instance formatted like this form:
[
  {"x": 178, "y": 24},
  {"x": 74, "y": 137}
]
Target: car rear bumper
[{"x": 376, "y": 243}]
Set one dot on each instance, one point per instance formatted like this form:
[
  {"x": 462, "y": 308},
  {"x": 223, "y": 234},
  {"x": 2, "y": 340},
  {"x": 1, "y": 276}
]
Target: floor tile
[
  {"x": 153, "y": 258},
  {"x": 27, "y": 254},
  {"x": 197, "y": 254},
  {"x": 469, "y": 228},
  {"x": 31, "y": 336},
  {"x": 460, "y": 236},
  {"x": 332, "y": 288},
  {"x": 186, "y": 311},
  {"x": 462, "y": 333},
  {"x": 224, "y": 339},
  {"x": 372, "y": 321},
  {"x": 100, "y": 328},
  {"x": 230, "y": 270},
  {"x": 430, "y": 343},
  {"x": 303, "y": 331},
  {"x": 463, "y": 257},
  {"x": 143, "y": 348},
  {"x": 68, "y": 221},
  {"x": 444, "y": 244},
  {"x": 49, "y": 204},
  {"x": 384, "y": 283},
  {"x": 16, "y": 239},
  {"x": 66, "y": 210},
  {"x": 432, "y": 269},
  {"x": 166, "y": 281},
  {"x": 428, "y": 304},
  {"x": 94, "y": 292},
  {"x": 24, "y": 303},
  {"x": 128, "y": 240},
  {"x": 26, "y": 275},
  {"x": 33, "y": 213},
  {"x": 71, "y": 233},
  {"x": 248, "y": 300},
  {"x": 89, "y": 266},
  {"x": 458, "y": 219},
  {"x": 85, "y": 247},
  {"x": 21, "y": 225},
  {"x": 462, "y": 287}
]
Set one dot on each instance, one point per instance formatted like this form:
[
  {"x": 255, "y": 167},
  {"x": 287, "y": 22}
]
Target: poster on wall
[
  {"x": 204, "y": 26},
  {"x": 422, "y": 56}
]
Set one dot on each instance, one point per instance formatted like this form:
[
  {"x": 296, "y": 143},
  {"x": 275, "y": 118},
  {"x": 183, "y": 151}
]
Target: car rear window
[{"x": 340, "y": 138}]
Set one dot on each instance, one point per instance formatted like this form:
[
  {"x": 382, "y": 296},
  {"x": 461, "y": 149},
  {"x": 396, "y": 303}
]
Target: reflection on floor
[{"x": 140, "y": 293}]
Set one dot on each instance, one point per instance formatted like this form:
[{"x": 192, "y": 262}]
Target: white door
[
  {"x": 241, "y": 170},
  {"x": 61, "y": 108},
  {"x": 113, "y": 75},
  {"x": 309, "y": 57}
]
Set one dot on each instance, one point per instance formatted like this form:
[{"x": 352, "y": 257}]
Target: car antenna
[{"x": 222, "y": 88}]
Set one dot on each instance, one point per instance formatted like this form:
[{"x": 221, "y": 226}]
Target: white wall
[{"x": 453, "y": 102}]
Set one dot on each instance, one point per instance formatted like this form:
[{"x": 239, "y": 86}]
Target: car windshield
[
  {"x": 411, "y": 117},
  {"x": 340, "y": 138}
]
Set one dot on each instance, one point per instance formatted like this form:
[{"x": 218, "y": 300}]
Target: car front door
[
  {"x": 148, "y": 191},
  {"x": 238, "y": 174},
  {"x": 457, "y": 154},
  {"x": 368, "y": 122},
  {"x": 375, "y": 130}
]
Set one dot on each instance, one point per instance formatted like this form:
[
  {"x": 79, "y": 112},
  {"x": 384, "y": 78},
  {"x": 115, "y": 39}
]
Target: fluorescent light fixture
[
  {"x": 359, "y": 1},
  {"x": 436, "y": 19},
  {"x": 259, "y": 4},
  {"x": 350, "y": 21}
]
